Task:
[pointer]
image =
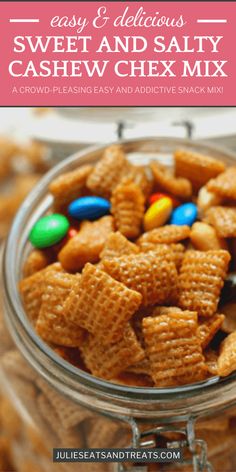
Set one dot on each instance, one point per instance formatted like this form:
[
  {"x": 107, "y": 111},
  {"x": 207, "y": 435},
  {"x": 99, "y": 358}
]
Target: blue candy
[
  {"x": 89, "y": 208},
  {"x": 185, "y": 214}
]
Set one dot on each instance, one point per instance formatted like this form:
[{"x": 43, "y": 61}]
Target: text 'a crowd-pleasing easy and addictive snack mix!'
[{"x": 129, "y": 269}]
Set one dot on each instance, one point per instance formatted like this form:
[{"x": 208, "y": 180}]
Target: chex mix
[{"x": 129, "y": 268}]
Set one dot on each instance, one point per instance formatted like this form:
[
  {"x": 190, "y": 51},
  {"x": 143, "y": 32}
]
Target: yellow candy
[{"x": 157, "y": 214}]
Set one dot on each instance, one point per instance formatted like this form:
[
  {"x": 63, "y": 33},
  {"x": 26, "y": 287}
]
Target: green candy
[{"x": 49, "y": 230}]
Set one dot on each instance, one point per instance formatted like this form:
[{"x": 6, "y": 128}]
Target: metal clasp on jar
[{"x": 194, "y": 449}]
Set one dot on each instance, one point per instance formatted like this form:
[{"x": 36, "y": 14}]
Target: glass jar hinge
[{"x": 194, "y": 448}]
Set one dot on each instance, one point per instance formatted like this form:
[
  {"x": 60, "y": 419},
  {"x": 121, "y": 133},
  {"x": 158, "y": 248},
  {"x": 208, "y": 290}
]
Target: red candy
[
  {"x": 72, "y": 232},
  {"x": 157, "y": 196}
]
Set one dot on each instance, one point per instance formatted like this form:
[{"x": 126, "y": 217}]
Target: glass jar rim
[{"x": 21, "y": 328}]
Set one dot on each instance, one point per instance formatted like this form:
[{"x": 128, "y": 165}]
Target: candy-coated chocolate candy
[
  {"x": 49, "y": 230},
  {"x": 157, "y": 214},
  {"x": 185, "y": 214},
  {"x": 157, "y": 196},
  {"x": 89, "y": 208},
  {"x": 72, "y": 232}
]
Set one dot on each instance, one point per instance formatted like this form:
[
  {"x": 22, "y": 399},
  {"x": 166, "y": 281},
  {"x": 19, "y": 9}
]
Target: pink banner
[{"x": 115, "y": 53}]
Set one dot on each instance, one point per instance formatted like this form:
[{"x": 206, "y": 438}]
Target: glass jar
[{"x": 62, "y": 406}]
